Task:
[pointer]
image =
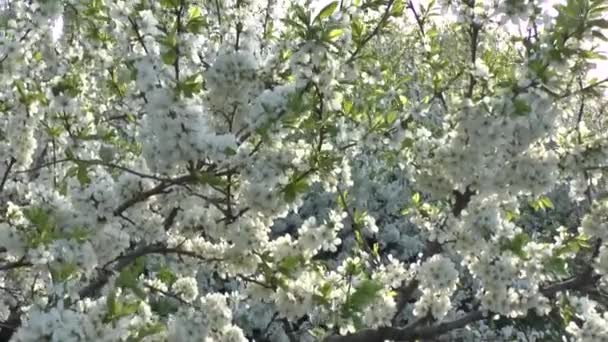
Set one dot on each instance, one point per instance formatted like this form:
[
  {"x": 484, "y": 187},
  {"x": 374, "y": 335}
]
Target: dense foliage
[{"x": 268, "y": 170}]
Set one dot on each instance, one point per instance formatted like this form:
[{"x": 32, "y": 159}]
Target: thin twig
[
  {"x": 11, "y": 163},
  {"x": 139, "y": 37},
  {"x": 376, "y": 30}
]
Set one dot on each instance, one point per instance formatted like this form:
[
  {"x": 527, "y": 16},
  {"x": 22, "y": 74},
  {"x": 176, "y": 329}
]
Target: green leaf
[
  {"x": 398, "y": 8},
  {"x": 325, "y": 161},
  {"x": 62, "y": 187},
  {"x": 147, "y": 330},
  {"x": 599, "y": 35},
  {"x": 303, "y": 16},
  {"x": 229, "y": 151},
  {"x": 391, "y": 117},
  {"x": 297, "y": 26},
  {"x": 546, "y": 201},
  {"x": 359, "y": 217},
  {"x": 45, "y": 228},
  {"x": 333, "y": 34},
  {"x": 347, "y": 106},
  {"x": 169, "y": 57},
  {"x": 63, "y": 271},
  {"x": 194, "y": 12},
  {"x": 293, "y": 189},
  {"x": 128, "y": 277},
  {"x": 69, "y": 154},
  {"x": 365, "y": 293},
  {"x": 358, "y": 29},
  {"x": 164, "y": 307},
  {"x": 511, "y": 216},
  {"x": 196, "y": 25},
  {"x": 416, "y": 198},
  {"x": 170, "y": 4},
  {"x": 111, "y": 304},
  {"x": 521, "y": 107},
  {"x": 359, "y": 238},
  {"x": 557, "y": 265},
  {"x": 566, "y": 311},
  {"x": 601, "y": 23},
  {"x": 129, "y": 308},
  {"x": 82, "y": 174},
  {"x": 327, "y": 11},
  {"x": 343, "y": 199},
  {"x": 592, "y": 55},
  {"x": 79, "y": 234},
  {"x": 288, "y": 265},
  {"x": 38, "y": 56},
  {"x": 166, "y": 275},
  {"x": 210, "y": 178},
  {"x": 69, "y": 85},
  {"x": 191, "y": 85},
  {"x": 37, "y": 216},
  {"x": 195, "y": 21},
  {"x": 517, "y": 244},
  {"x": 542, "y": 202},
  {"x": 353, "y": 268},
  {"x": 324, "y": 291},
  {"x": 118, "y": 309},
  {"x": 583, "y": 241},
  {"x": 406, "y": 211},
  {"x": 573, "y": 246},
  {"x": 407, "y": 143}
]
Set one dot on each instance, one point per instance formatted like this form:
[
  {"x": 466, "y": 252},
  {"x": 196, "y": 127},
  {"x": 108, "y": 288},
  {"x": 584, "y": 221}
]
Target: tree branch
[
  {"x": 140, "y": 39},
  {"x": 11, "y": 163},
  {"x": 416, "y": 332},
  {"x": 15, "y": 264},
  {"x": 583, "y": 89},
  {"x": 142, "y": 196},
  {"x": 376, "y": 30},
  {"x": 10, "y": 325},
  {"x": 474, "y": 32},
  {"x": 125, "y": 260}
]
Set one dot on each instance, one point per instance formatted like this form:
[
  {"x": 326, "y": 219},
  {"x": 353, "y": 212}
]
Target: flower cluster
[
  {"x": 594, "y": 326},
  {"x": 438, "y": 278}
]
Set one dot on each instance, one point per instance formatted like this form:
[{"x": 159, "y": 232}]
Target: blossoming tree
[{"x": 233, "y": 170}]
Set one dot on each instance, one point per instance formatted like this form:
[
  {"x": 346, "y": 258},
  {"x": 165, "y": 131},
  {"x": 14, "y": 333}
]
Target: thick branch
[
  {"x": 10, "y": 325},
  {"x": 461, "y": 201}
]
